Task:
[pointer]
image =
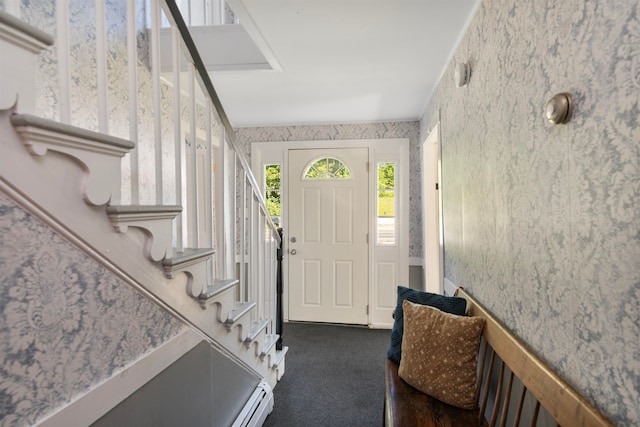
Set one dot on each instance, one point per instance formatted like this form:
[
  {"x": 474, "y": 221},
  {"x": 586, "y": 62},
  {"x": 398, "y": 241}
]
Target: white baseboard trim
[
  {"x": 449, "y": 287},
  {"x": 381, "y": 325},
  {"x": 104, "y": 397}
]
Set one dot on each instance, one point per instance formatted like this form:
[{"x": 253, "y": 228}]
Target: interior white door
[{"x": 328, "y": 225}]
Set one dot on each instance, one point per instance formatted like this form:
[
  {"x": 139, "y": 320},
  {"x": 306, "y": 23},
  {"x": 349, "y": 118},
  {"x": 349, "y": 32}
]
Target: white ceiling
[{"x": 342, "y": 61}]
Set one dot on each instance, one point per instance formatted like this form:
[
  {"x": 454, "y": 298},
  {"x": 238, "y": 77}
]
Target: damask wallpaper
[
  {"x": 355, "y": 131},
  {"x": 542, "y": 221},
  {"x": 66, "y": 323}
]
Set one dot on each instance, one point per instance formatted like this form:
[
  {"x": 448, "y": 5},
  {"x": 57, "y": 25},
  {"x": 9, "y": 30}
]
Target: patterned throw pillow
[
  {"x": 453, "y": 305},
  {"x": 439, "y": 354}
]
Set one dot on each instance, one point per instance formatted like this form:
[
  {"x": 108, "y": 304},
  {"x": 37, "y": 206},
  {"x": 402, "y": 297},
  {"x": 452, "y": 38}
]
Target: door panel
[
  {"x": 312, "y": 282},
  {"x": 328, "y": 219},
  {"x": 343, "y": 217},
  {"x": 312, "y": 211}
]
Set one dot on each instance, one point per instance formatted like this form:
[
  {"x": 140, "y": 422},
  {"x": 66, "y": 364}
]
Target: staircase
[{"x": 208, "y": 256}]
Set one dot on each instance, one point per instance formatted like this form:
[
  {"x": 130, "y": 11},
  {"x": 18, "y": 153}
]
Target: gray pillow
[{"x": 453, "y": 305}]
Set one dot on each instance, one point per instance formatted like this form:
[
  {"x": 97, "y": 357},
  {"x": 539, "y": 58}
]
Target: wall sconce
[
  {"x": 462, "y": 74},
  {"x": 559, "y": 109}
]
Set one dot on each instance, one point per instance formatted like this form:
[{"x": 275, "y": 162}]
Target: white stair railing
[{"x": 186, "y": 152}]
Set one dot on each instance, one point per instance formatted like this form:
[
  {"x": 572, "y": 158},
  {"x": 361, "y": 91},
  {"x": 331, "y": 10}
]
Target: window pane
[
  {"x": 327, "y": 168},
  {"x": 386, "y": 204},
  {"x": 272, "y": 190},
  {"x": 272, "y": 176},
  {"x": 333, "y": 165}
]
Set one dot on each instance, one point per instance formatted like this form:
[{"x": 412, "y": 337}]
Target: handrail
[{"x": 190, "y": 45}]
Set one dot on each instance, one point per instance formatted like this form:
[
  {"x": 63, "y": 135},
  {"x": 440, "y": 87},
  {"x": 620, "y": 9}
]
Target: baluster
[
  {"x": 255, "y": 253},
  {"x": 273, "y": 277},
  {"x": 217, "y": 13},
  {"x": 132, "y": 52},
  {"x": 219, "y": 206},
  {"x": 208, "y": 184},
  {"x": 101, "y": 66},
  {"x": 266, "y": 268},
  {"x": 255, "y": 250},
  {"x": 230, "y": 203},
  {"x": 177, "y": 131},
  {"x": 260, "y": 242},
  {"x": 192, "y": 196},
  {"x": 268, "y": 284},
  {"x": 208, "y": 14},
  {"x": 243, "y": 238},
  {"x": 251, "y": 236},
  {"x": 204, "y": 13},
  {"x": 189, "y": 22},
  {"x": 259, "y": 262},
  {"x": 62, "y": 42},
  {"x": 155, "y": 75}
]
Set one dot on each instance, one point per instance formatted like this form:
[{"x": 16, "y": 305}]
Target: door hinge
[
  {"x": 367, "y": 238},
  {"x": 367, "y": 166},
  {"x": 436, "y": 185},
  {"x": 367, "y": 309}
]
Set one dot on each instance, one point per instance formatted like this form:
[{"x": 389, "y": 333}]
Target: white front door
[{"x": 328, "y": 225}]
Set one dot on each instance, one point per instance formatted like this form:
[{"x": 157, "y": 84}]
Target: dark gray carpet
[{"x": 334, "y": 377}]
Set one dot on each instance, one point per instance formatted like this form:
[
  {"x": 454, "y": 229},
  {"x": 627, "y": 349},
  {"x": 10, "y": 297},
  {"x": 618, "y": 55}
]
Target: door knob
[{"x": 293, "y": 252}]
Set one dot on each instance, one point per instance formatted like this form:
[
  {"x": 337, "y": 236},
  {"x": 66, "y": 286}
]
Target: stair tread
[
  {"x": 256, "y": 328},
  {"x": 186, "y": 255},
  {"x": 269, "y": 342},
  {"x": 240, "y": 310},
  {"x": 133, "y": 209},
  {"x": 28, "y": 120},
  {"x": 218, "y": 285},
  {"x": 280, "y": 354}
]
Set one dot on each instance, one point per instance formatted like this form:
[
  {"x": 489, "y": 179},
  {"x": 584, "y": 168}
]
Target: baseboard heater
[{"x": 257, "y": 408}]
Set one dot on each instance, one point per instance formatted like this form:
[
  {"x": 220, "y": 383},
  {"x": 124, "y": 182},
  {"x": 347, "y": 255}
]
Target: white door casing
[
  {"x": 432, "y": 225},
  {"x": 328, "y": 226},
  {"x": 388, "y": 265}
]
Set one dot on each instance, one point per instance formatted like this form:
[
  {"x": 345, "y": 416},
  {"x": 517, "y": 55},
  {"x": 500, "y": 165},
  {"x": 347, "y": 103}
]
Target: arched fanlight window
[{"x": 327, "y": 168}]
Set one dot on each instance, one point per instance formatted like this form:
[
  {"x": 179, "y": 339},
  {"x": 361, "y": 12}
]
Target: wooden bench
[{"x": 512, "y": 387}]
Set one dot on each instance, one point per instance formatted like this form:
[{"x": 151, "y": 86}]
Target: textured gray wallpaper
[
  {"x": 356, "y": 131},
  {"x": 542, "y": 222},
  {"x": 66, "y": 323}
]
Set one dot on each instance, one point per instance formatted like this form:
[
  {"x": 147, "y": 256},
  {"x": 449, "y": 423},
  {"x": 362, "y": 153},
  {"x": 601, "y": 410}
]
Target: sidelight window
[
  {"x": 386, "y": 203},
  {"x": 272, "y": 186}
]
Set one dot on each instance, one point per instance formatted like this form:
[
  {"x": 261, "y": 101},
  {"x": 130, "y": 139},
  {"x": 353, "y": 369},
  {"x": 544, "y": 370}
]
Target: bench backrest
[{"x": 558, "y": 398}]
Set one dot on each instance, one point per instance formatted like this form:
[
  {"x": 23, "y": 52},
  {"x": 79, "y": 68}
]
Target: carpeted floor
[{"x": 334, "y": 377}]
